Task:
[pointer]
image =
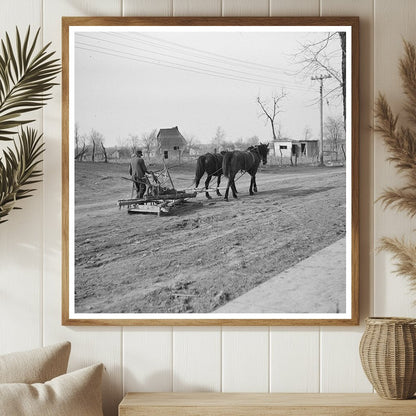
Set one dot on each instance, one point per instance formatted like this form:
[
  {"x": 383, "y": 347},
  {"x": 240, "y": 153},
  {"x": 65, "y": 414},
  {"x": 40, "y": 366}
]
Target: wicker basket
[{"x": 388, "y": 356}]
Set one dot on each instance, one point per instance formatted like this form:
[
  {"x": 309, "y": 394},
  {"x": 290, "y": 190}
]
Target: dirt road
[{"x": 208, "y": 252}]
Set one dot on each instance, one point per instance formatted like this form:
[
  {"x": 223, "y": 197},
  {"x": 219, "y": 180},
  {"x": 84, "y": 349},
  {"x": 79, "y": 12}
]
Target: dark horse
[
  {"x": 247, "y": 161},
  {"x": 211, "y": 163}
]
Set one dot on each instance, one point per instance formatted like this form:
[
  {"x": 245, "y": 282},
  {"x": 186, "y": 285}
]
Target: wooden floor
[{"x": 254, "y": 404}]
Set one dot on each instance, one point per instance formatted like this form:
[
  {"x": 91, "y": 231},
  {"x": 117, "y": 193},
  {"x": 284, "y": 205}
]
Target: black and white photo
[{"x": 211, "y": 172}]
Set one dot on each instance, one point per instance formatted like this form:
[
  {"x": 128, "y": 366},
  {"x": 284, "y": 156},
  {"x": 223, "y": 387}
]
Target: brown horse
[{"x": 247, "y": 161}]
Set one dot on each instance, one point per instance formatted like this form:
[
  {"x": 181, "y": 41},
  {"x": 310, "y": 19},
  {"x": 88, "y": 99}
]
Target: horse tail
[
  {"x": 226, "y": 164},
  {"x": 200, "y": 169}
]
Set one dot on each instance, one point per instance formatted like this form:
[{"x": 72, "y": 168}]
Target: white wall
[{"x": 308, "y": 359}]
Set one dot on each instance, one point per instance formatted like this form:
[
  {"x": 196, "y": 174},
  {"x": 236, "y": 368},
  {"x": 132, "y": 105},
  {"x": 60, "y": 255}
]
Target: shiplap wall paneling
[
  {"x": 147, "y": 7},
  {"x": 21, "y": 237},
  {"x": 294, "y": 8},
  {"x": 245, "y": 8},
  {"x": 341, "y": 370},
  {"x": 294, "y": 360},
  {"x": 245, "y": 359},
  {"x": 196, "y": 359},
  {"x": 197, "y": 7},
  {"x": 89, "y": 344},
  {"x": 394, "y": 21},
  {"x": 147, "y": 359}
]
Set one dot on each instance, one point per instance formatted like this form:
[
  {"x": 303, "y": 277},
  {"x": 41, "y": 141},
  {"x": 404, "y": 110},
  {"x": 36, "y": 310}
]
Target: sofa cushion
[
  {"x": 73, "y": 394},
  {"x": 35, "y": 366}
]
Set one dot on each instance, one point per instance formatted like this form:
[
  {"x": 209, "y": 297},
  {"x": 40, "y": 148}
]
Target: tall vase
[{"x": 388, "y": 356}]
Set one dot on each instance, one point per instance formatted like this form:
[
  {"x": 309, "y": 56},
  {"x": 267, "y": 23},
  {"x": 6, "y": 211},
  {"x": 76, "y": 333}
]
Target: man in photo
[{"x": 138, "y": 172}]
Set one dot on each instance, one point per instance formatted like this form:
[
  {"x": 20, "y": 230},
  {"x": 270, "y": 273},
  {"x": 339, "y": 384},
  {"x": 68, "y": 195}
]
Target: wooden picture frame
[{"x": 71, "y": 76}]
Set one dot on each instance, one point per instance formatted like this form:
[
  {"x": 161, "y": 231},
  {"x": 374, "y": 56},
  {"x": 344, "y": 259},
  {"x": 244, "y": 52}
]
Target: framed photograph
[{"x": 210, "y": 171}]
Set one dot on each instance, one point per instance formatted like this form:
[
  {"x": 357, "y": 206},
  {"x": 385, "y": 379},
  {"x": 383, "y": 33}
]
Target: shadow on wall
[
  {"x": 160, "y": 381},
  {"x": 112, "y": 393}
]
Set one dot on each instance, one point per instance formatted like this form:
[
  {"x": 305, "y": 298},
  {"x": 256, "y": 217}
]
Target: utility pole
[{"x": 321, "y": 78}]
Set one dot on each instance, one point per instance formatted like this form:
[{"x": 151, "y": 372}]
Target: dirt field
[{"x": 209, "y": 251}]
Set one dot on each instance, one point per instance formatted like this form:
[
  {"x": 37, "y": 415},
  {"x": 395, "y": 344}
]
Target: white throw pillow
[
  {"x": 73, "y": 394},
  {"x": 35, "y": 366}
]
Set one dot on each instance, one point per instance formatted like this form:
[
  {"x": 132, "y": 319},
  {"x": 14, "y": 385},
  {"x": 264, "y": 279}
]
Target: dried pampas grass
[
  {"x": 401, "y": 143},
  {"x": 404, "y": 254}
]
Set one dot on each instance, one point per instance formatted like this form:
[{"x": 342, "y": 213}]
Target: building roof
[
  {"x": 294, "y": 140},
  {"x": 171, "y": 137}
]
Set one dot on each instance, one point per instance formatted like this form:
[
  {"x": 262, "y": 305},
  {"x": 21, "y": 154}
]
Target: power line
[
  {"x": 268, "y": 67},
  {"x": 316, "y": 101},
  {"x": 149, "y": 61},
  {"x": 221, "y": 69},
  {"x": 174, "y": 65},
  {"x": 233, "y": 62},
  {"x": 184, "y": 59}
]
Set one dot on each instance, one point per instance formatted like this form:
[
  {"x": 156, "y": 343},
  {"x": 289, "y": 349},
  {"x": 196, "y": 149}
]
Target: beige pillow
[
  {"x": 73, "y": 394},
  {"x": 35, "y": 366}
]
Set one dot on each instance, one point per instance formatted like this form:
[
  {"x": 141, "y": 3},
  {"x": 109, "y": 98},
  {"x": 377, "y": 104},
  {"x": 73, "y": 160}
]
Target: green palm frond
[
  {"x": 19, "y": 170},
  {"x": 26, "y": 78}
]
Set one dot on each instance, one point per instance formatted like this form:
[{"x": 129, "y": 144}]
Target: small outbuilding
[
  {"x": 282, "y": 147},
  {"x": 170, "y": 142},
  {"x": 300, "y": 148}
]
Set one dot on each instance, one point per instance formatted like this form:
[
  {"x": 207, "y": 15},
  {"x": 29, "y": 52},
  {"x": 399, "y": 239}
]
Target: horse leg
[
  {"x": 233, "y": 188},
  {"x": 197, "y": 181},
  {"x": 208, "y": 180},
  {"x": 251, "y": 185},
  {"x": 255, "y": 184},
  {"x": 218, "y": 185},
  {"x": 227, "y": 190}
]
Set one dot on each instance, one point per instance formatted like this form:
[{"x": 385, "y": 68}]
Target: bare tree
[
  {"x": 279, "y": 130},
  {"x": 133, "y": 142},
  {"x": 76, "y": 134},
  {"x": 270, "y": 109},
  {"x": 251, "y": 141},
  {"x": 80, "y": 144},
  {"x": 342, "y": 37},
  {"x": 335, "y": 134},
  {"x": 307, "y": 133},
  {"x": 81, "y": 153},
  {"x": 149, "y": 142},
  {"x": 104, "y": 153},
  {"x": 191, "y": 142},
  {"x": 239, "y": 144},
  {"x": 96, "y": 139},
  {"x": 93, "y": 151},
  {"x": 219, "y": 138},
  {"x": 243, "y": 144},
  {"x": 320, "y": 57}
]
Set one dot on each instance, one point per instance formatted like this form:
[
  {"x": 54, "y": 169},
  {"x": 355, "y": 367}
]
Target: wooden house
[{"x": 170, "y": 142}]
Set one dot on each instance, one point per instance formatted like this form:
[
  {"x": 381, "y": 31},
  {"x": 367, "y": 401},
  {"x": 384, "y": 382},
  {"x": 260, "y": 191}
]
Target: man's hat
[{"x": 139, "y": 153}]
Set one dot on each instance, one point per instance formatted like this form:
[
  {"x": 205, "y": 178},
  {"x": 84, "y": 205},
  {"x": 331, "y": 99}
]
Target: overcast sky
[{"x": 131, "y": 82}]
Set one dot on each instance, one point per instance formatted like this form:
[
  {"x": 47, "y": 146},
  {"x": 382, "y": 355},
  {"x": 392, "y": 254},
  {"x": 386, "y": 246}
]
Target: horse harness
[
  {"x": 215, "y": 155},
  {"x": 252, "y": 153}
]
